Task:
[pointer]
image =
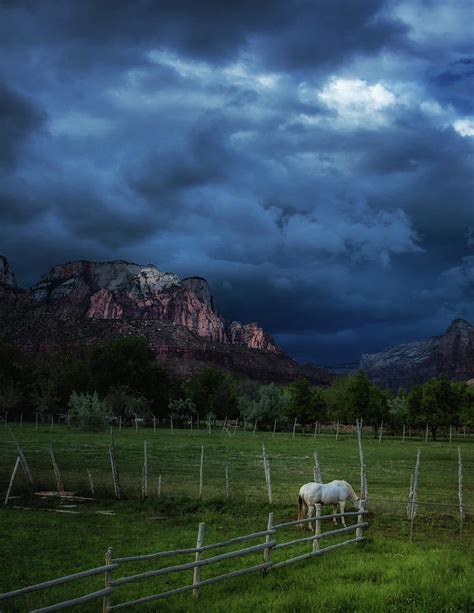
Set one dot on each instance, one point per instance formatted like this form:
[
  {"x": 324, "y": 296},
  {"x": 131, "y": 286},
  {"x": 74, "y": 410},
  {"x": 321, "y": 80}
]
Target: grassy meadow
[{"x": 384, "y": 573}]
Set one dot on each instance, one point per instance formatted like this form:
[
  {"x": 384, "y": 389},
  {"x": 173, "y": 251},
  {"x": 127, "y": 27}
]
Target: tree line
[{"x": 122, "y": 379}]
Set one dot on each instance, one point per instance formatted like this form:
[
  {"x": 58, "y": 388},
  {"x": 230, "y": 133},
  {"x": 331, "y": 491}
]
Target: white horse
[{"x": 316, "y": 494}]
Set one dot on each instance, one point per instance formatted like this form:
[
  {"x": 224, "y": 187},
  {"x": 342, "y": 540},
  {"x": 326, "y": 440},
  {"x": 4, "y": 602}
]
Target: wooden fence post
[
  {"x": 24, "y": 463},
  {"x": 317, "y": 469},
  {"x": 171, "y": 424},
  {"x": 52, "y": 422},
  {"x": 460, "y": 493},
  {"x": 106, "y": 604},
  {"x": 267, "y": 553},
  {"x": 426, "y": 433},
  {"x": 403, "y": 435},
  {"x": 12, "y": 479},
  {"x": 315, "y": 429},
  {"x": 36, "y": 420},
  {"x": 145, "y": 472},
  {"x": 360, "y": 519},
  {"x": 294, "y": 428},
  {"x": 158, "y": 487},
  {"x": 21, "y": 420},
  {"x": 255, "y": 427},
  {"x": 450, "y": 435},
  {"x": 381, "y": 432},
  {"x": 154, "y": 424},
  {"x": 57, "y": 473},
  {"x": 209, "y": 425},
  {"x": 274, "y": 428},
  {"x": 317, "y": 528},
  {"x": 91, "y": 483},
  {"x": 197, "y": 569},
  {"x": 415, "y": 488},
  {"x": 268, "y": 479},
  {"x": 113, "y": 464},
  {"x": 201, "y": 468},
  {"x": 225, "y": 425},
  {"x": 120, "y": 423},
  {"x": 337, "y": 430},
  {"x": 410, "y": 496},
  {"x": 227, "y": 483},
  {"x": 363, "y": 475}
]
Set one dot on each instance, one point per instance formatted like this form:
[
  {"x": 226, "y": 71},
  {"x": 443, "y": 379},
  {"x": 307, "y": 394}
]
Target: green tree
[
  {"x": 365, "y": 400},
  {"x": 213, "y": 391},
  {"x": 89, "y": 411},
  {"x": 271, "y": 403}
]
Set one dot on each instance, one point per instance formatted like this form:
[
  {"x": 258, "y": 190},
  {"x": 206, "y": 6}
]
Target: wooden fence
[{"x": 112, "y": 565}]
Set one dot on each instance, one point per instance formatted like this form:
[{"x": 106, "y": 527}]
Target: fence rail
[{"x": 267, "y": 547}]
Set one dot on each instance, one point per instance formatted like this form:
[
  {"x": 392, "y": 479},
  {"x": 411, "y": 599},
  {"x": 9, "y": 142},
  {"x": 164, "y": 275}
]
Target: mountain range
[
  {"x": 85, "y": 302},
  {"x": 451, "y": 353}
]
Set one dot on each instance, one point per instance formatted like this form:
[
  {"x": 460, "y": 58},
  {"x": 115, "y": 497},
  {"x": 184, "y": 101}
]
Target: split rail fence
[{"x": 270, "y": 545}]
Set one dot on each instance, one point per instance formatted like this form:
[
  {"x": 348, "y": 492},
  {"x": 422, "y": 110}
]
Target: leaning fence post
[
  {"x": 145, "y": 472},
  {"x": 267, "y": 552},
  {"x": 108, "y": 577},
  {"x": 317, "y": 469},
  {"x": 268, "y": 479},
  {"x": 413, "y": 499},
  {"x": 227, "y": 483},
  {"x": 294, "y": 428},
  {"x": 381, "y": 432},
  {"x": 317, "y": 528},
  {"x": 255, "y": 427},
  {"x": 113, "y": 464},
  {"x": 315, "y": 429},
  {"x": 12, "y": 479},
  {"x": 274, "y": 428},
  {"x": 24, "y": 463},
  {"x": 91, "y": 483},
  {"x": 201, "y": 468},
  {"x": 197, "y": 569},
  {"x": 461, "y": 493},
  {"x": 57, "y": 474},
  {"x": 410, "y": 496}
]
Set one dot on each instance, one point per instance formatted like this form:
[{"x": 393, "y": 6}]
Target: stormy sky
[{"x": 312, "y": 159}]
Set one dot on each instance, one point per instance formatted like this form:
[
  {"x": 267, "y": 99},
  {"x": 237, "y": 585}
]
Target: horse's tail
[{"x": 300, "y": 507}]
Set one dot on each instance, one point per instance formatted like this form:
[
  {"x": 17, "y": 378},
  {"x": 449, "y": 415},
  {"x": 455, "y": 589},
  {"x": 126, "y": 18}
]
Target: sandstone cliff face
[
  {"x": 123, "y": 290},
  {"x": 84, "y": 303},
  {"x": 7, "y": 277},
  {"x": 452, "y": 353}
]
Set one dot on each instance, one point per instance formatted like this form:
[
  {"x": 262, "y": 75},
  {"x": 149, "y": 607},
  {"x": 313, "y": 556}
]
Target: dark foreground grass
[{"x": 384, "y": 573}]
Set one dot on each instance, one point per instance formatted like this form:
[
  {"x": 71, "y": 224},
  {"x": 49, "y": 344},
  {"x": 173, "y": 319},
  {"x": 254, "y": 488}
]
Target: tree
[
  {"x": 182, "y": 408},
  {"x": 305, "y": 403},
  {"x": 365, "y": 400},
  {"x": 88, "y": 411},
  {"x": 271, "y": 403},
  {"x": 435, "y": 403},
  {"x": 126, "y": 404},
  {"x": 213, "y": 391}
]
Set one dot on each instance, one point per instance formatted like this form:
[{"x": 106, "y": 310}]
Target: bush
[{"x": 88, "y": 411}]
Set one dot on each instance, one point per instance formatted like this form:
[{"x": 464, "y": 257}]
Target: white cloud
[
  {"x": 356, "y": 101},
  {"x": 77, "y": 124},
  {"x": 464, "y": 127}
]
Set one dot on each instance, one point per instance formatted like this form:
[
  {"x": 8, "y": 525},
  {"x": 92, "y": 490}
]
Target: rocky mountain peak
[
  {"x": 7, "y": 276},
  {"x": 458, "y": 326}
]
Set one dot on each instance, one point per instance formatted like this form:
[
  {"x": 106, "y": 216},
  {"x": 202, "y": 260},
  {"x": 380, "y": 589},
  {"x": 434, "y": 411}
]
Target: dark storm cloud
[
  {"x": 19, "y": 117},
  {"x": 311, "y": 159},
  {"x": 297, "y": 33}
]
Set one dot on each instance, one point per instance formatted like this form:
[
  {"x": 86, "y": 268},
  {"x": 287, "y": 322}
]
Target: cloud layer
[{"x": 312, "y": 159}]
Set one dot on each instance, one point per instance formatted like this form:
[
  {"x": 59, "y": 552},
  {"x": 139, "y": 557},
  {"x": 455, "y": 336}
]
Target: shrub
[{"x": 88, "y": 411}]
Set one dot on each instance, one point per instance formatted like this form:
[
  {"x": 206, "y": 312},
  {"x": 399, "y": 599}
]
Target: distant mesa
[
  {"x": 84, "y": 302},
  {"x": 451, "y": 354}
]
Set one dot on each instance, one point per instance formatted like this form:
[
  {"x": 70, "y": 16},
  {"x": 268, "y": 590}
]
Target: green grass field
[{"x": 384, "y": 573}]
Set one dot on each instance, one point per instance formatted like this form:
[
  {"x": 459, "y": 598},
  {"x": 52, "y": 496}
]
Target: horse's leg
[
  {"x": 342, "y": 506},
  {"x": 334, "y": 510}
]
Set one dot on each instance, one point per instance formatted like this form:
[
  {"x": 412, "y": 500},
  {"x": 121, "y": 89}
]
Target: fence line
[{"x": 266, "y": 547}]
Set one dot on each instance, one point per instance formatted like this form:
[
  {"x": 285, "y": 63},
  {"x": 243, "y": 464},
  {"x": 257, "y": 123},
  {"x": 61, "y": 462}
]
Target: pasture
[{"x": 385, "y": 572}]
